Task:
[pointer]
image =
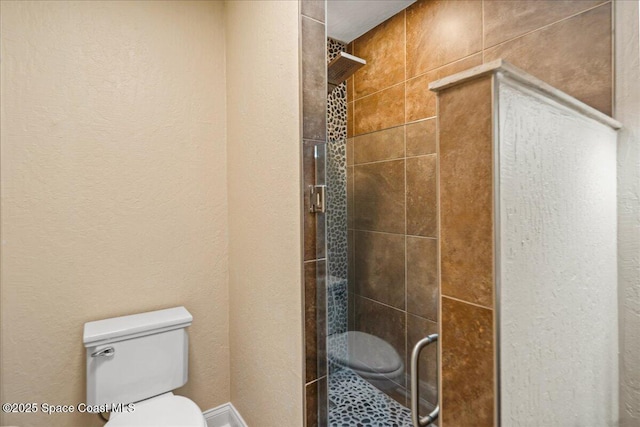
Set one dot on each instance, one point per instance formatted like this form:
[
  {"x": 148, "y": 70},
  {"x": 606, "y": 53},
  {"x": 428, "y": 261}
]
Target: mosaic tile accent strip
[
  {"x": 336, "y": 173},
  {"x": 355, "y": 402},
  {"x": 336, "y": 180},
  {"x": 337, "y": 99},
  {"x": 334, "y": 47},
  {"x": 337, "y": 208},
  {"x": 337, "y": 296},
  {"x": 337, "y": 344},
  {"x": 337, "y": 113}
]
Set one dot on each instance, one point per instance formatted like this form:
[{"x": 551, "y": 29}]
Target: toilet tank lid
[{"x": 125, "y": 327}]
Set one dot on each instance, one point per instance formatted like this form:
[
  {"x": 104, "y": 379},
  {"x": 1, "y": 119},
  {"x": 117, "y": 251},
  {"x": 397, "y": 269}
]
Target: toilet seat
[{"x": 166, "y": 410}]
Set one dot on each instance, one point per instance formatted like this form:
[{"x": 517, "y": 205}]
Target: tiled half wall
[{"x": 393, "y": 161}]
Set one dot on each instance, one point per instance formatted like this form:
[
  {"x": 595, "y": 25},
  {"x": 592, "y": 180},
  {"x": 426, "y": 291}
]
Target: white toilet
[
  {"x": 139, "y": 360},
  {"x": 369, "y": 356}
]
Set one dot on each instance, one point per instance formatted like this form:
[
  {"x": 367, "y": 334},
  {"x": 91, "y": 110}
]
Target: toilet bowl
[
  {"x": 369, "y": 356},
  {"x": 166, "y": 410},
  {"x": 134, "y": 362}
]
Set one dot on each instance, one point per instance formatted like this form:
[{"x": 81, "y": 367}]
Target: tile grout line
[
  {"x": 312, "y": 19},
  {"x": 362, "y": 230},
  {"x": 405, "y": 77},
  {"x": 482, "y": 30},
  {"x": 448, "y": 64},
  {"x": 467, "y": 302},
  {"x": 414, "y": 77},
  {"x": 439, "y": 316},
  {"x": 412, "y": 122},
  {"x": 315, "y": 381},
  {"x": 549, "y": 25},
  {"x": 613, "y": 59},
  {"x": 404, "y": 135},
  {"x": 379, "y": 302},
  {"x": 394, "y": 159},
  {"x": 423, "y": 119},
  {"x": 395, "y": 308}
]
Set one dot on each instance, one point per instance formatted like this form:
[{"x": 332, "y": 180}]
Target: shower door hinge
[{"x": 316, "y": 198}]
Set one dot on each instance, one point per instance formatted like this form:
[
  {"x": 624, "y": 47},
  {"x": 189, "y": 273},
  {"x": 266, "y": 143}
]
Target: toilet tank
[{"x": 132, "y": 358}]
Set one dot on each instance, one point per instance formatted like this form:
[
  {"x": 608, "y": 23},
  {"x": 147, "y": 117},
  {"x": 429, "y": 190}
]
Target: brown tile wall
[
  {"x": 466, "y": 192},
  {"x": 314, "y": 133},
  {"x": 392, "y": 220},
  {"x": 392, "y": 161},
  {"x": 435, "y": 38},
  {"x": 466, "y": 253}
]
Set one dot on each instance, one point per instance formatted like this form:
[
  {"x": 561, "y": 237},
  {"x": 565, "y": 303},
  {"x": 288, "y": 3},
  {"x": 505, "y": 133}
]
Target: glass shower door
[
  {"x": 381, "y": 287},
  {"x": 381, "y": 267}
]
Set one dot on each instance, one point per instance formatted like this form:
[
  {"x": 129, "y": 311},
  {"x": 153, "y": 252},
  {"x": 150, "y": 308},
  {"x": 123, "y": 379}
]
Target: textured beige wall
[
  {"x": 264, "y": 212},
  {"x": 627, "y": 105},
  {"x": 113, "y": 187}
]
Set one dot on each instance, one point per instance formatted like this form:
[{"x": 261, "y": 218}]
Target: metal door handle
[{"x": 415, "y": 393}]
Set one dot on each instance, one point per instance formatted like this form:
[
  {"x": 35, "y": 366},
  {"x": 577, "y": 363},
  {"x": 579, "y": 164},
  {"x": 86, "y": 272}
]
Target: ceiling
[{"x": 349, "y": 19}]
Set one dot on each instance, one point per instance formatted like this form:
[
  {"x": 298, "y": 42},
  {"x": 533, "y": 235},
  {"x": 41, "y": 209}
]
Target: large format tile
[
  {"x": 385, "y": 144},
  {"x": 466, "y": 191},
  {"x": 316, "y": 403},
  {"x": 313, "y": 9},
  {"x": 315, "y": 318},
  {"x": 381, "y": 110},
  {"x": 573, "y": 55},
  {"x": 418, "y": 328},
  {"x": 422, "y": 207},
  {"x": 382, "y": 321},
  {"x": 421, "y": 138},
  {"x": 383, "y": 49},
  {"x": 504, "y": 20},
  {"x": 421, "y": 102},
  {"x": 467, "y": 353},
  {"x": 314, "y": 80},
  {"x": 379, "y": 196},
  {"x": 379, "y": 267},
  {"x": 422, "y": 277},
  {"x": 311, "y": 398},
  {"x": 440, "y": 32}
]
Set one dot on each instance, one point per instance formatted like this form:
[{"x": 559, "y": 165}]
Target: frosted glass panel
[{"x": 557, "y": 270}]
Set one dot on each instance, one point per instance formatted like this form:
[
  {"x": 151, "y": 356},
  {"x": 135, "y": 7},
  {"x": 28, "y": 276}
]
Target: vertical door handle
[{"x": 415, "y": 393}]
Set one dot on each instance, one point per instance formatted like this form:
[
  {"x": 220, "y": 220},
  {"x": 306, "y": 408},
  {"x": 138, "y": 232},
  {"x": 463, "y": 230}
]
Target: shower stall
[
  {"x": 465, "y": 245},
  {"x": 521, "y": 266}
]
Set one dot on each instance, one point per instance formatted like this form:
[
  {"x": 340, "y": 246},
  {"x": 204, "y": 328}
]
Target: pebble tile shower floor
[{"x": 353, "y": 402}]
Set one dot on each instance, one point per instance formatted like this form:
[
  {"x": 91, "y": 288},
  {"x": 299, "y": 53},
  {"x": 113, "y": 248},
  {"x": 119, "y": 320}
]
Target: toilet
[
  {"x": 369, "y": 356},
  {"x": 137, "y": 361}
]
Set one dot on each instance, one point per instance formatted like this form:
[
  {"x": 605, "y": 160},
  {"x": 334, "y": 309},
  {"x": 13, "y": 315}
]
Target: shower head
[{"x": 342, "y": 67}]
